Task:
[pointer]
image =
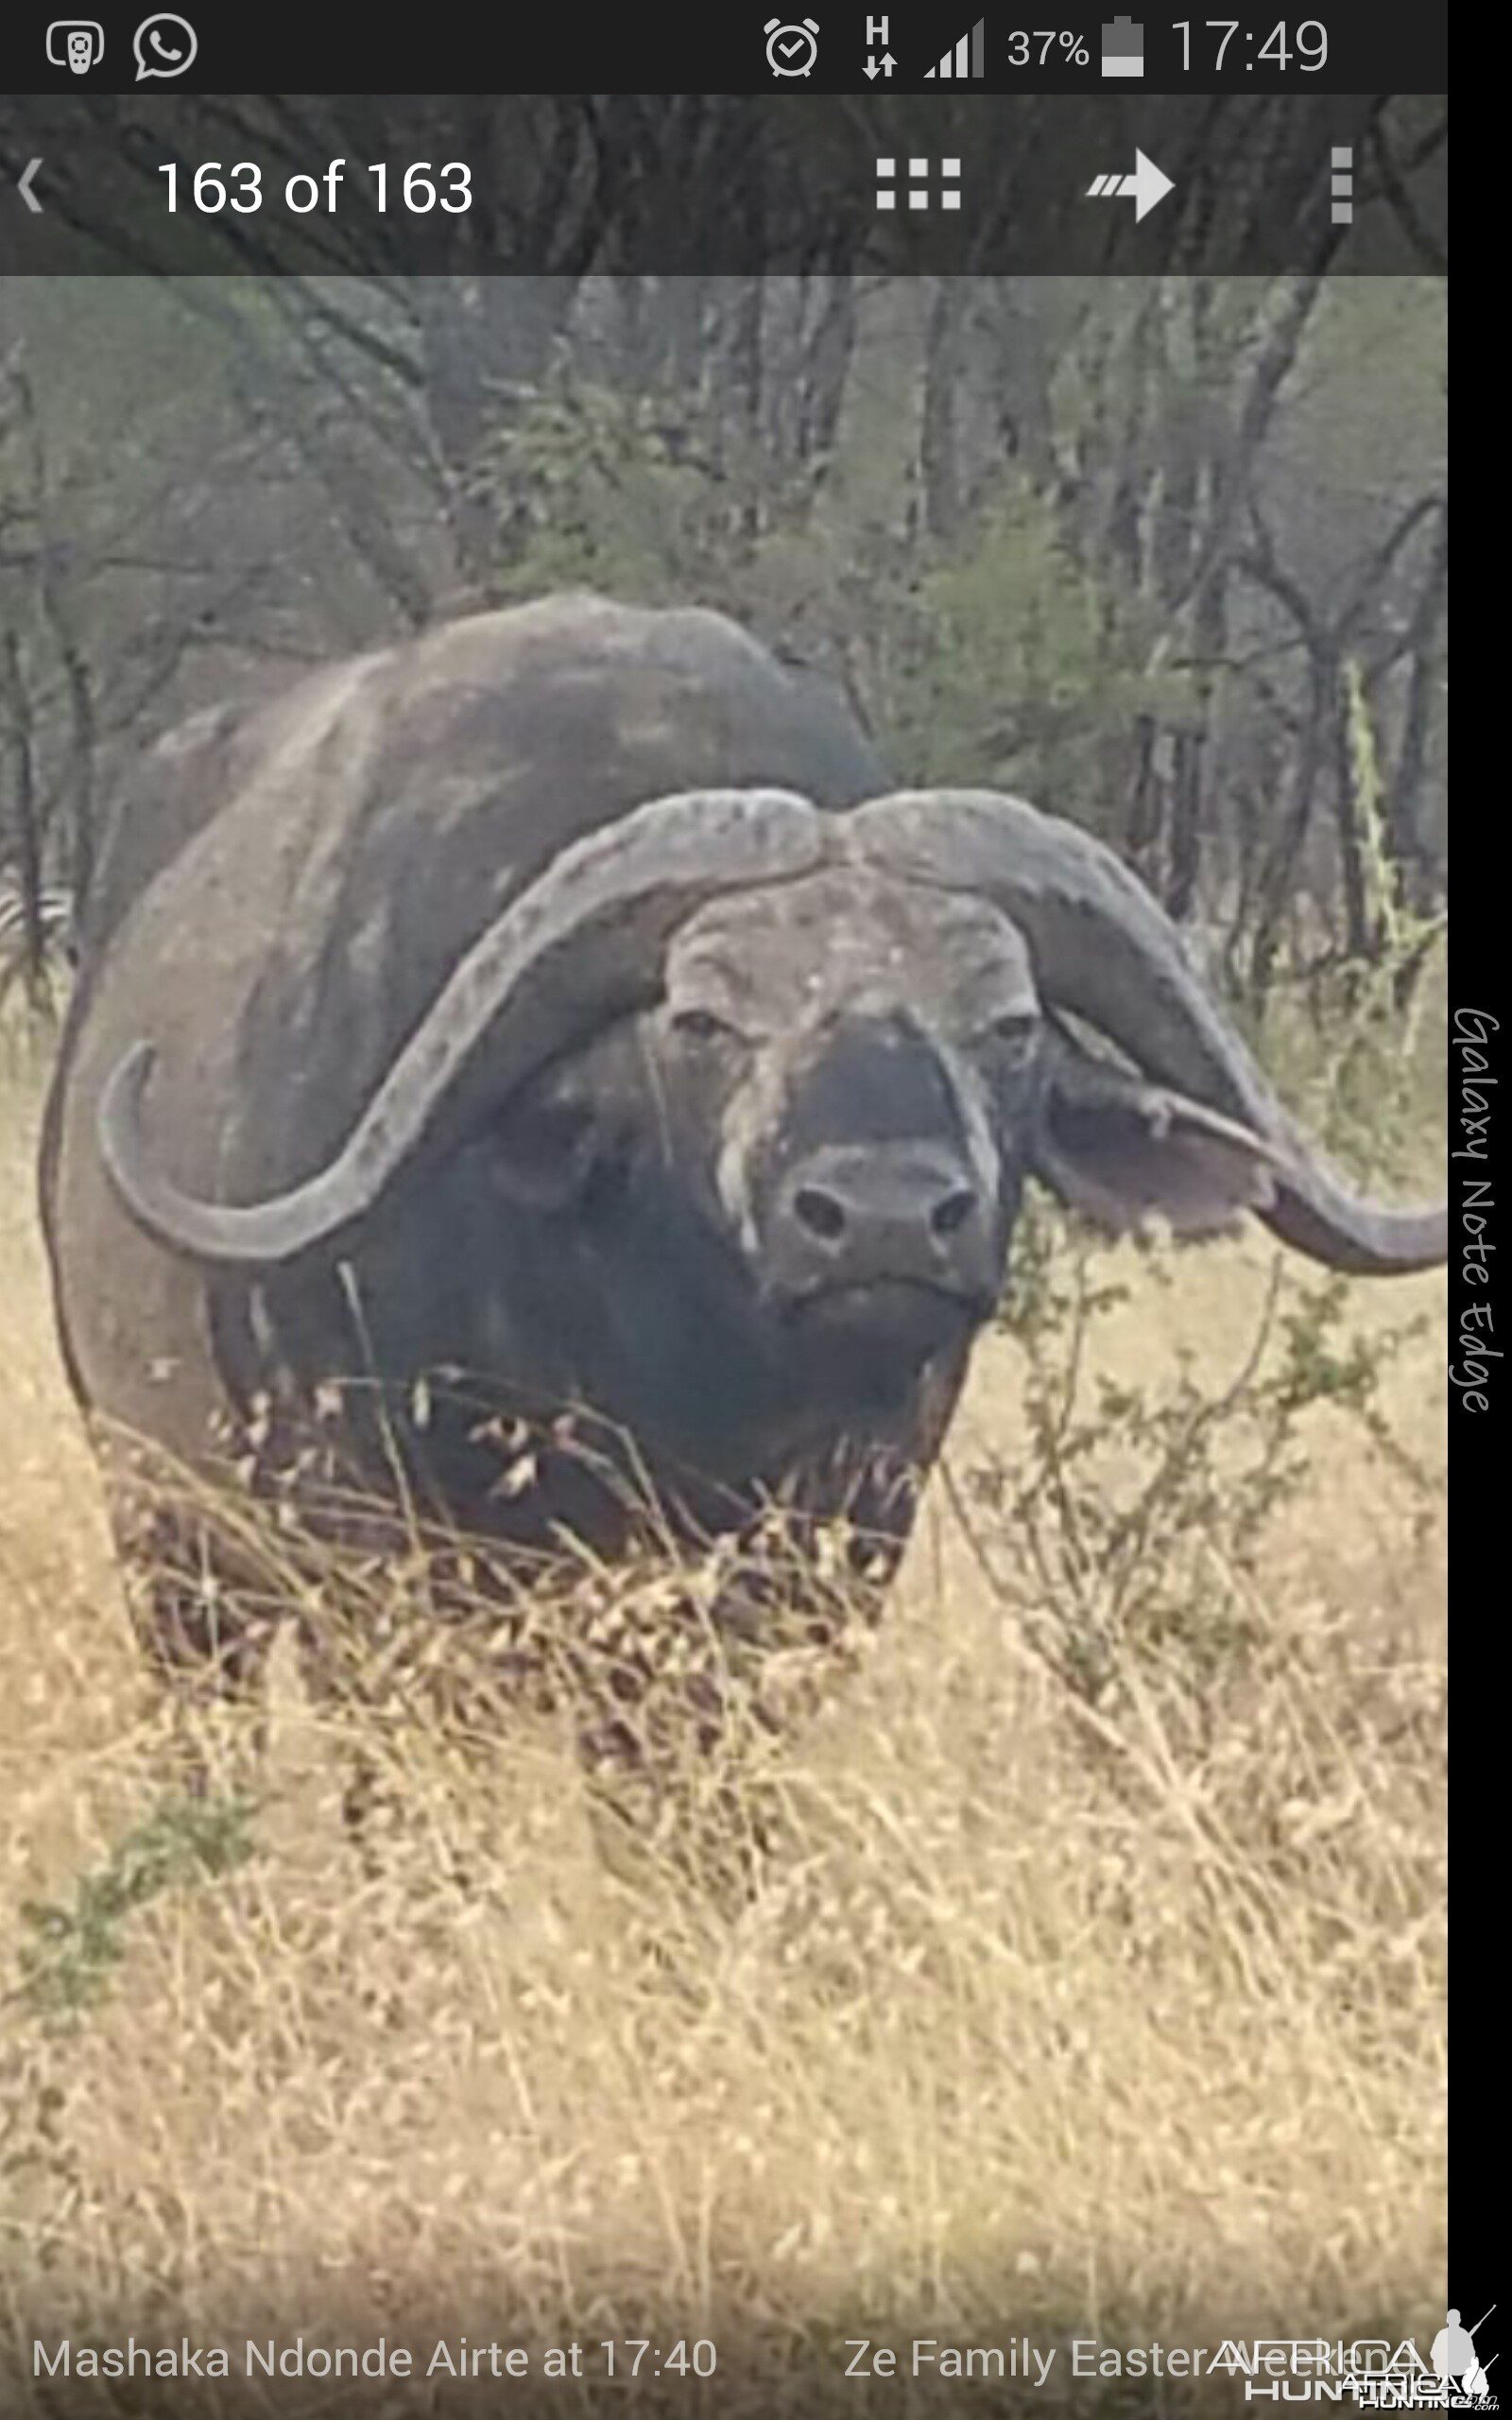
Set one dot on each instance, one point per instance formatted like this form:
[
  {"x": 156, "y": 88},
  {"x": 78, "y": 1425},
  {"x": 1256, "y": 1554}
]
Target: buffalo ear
[
  {"x": 1121, "y": 1151},
  {"x": 544, "y": 1147},
  {"x": 570, "y": 1125}
]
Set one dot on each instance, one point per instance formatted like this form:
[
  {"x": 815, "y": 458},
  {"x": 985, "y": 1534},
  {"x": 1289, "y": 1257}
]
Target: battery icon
[{"x": 1123, "y": 48}]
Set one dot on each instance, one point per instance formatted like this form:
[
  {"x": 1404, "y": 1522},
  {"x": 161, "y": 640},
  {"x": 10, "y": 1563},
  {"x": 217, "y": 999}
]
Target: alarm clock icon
[{"x": 791, "y": 50}]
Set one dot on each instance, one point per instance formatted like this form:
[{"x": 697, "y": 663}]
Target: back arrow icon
[
  {"x": 1149, "y": 185},
  {"x": 23, "y": 186}
]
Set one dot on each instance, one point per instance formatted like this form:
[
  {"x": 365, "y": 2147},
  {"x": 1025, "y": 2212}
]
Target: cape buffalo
[{"x": 556, "y": 1011}]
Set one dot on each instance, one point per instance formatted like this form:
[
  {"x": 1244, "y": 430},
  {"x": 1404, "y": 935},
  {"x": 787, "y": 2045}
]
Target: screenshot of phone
[{"x": 743, "y": 1210}]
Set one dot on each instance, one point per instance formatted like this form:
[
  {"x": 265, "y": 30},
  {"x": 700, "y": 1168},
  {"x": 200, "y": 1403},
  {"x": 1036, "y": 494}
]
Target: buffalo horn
[
  {"x": 1104, "y": 950},
  {"x": 582, "y": 944}
]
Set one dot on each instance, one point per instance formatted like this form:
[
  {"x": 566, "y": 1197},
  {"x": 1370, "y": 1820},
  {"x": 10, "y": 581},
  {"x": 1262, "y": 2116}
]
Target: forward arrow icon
[{"x": 1149, "y": 185}]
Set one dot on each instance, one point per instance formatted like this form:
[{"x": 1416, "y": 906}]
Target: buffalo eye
[
  {"x": 1015, "y": 1033},
  {"x": 700, "y": 1024}
]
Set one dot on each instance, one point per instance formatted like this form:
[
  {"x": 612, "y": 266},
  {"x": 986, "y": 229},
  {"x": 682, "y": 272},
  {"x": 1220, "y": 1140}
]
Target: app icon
[
  {"x": 76, "y": 43},
  {"x": 791, "y": 50},
  {"x": 165, "y": 45}
]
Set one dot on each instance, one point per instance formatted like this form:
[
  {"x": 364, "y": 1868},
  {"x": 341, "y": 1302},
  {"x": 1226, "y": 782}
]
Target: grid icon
[{"x": 916, "y": 192}]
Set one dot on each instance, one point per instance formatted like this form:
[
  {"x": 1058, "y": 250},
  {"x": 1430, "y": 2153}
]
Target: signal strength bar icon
[{"x": 965, "y": 57}]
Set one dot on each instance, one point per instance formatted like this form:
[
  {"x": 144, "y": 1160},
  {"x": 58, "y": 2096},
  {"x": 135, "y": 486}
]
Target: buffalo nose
[
  {"x": 851, "y": 1216},
  {"x": 831, "y": 1217}
]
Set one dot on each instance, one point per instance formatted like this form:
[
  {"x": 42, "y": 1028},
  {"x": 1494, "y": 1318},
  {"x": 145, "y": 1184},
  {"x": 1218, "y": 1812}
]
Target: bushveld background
[{"x": 1096, "y": 1984}]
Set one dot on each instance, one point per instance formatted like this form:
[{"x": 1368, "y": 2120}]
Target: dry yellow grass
[{"x": 1046, "y": 2024}]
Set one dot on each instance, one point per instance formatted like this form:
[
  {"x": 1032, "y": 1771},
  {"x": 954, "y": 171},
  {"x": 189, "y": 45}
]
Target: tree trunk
[
  {"x": 1278, "y": 877},
  {"x": 1405, "y": 836},
  {"x": 826, "y": 372},
  {"x": 1362, "y": 934},
  {"x": 939, "y": 437},
  {"x": 28, "y": 838},
  {"x": 486, "y": 345}
]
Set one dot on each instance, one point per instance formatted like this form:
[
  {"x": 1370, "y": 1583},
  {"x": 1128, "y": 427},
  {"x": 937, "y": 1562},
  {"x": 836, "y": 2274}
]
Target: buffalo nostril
[
  {"x": 950, "y": 1214},
  {"x": 819, "y": 1212}
]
